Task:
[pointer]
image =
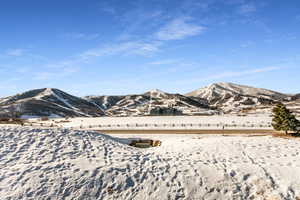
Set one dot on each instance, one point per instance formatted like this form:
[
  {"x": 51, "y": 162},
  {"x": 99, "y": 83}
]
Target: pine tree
[{"x": 284, "y": 120}]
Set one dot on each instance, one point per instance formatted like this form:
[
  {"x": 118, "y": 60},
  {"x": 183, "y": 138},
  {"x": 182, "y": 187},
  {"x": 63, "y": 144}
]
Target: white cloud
[
  {"x": 56, "y": 73},
  {"x": 178, "y": 29},
  {"x": 228, "y": 74},
  {"x": 139, "y": 21},
  {"x": 73, "y": 64},
  {"x": 108, "y": 9},
  {"x": 81, "y": 36},
  {"x": 44, "y": 75},
  {"x": 234, "y": 1},
  {"x": 164, "y": 62},
  {"x": 22, "y": 70},
  {"x": 247, "y": 44},
  {"x": 15, "y": 52},
  {"x": 247, "y": 9},
  {"x": 126, "y": 48},
  {"x": 231, "y": 74}
]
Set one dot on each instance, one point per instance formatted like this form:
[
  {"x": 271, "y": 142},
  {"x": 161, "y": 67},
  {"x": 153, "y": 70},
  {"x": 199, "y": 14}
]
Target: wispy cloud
[
  {"x": 231, "y": 74},
  {"x": 73, "y": 64},
  {"x": 247, "y": 44},
  {"x": 139, "y": 21},
  {"x": 164, "y": 62},
  {"x": 81, "y": 36},
  {"x": 125, "y": 48},
  {"x": 23, "y": 54},
  {"x": 56, "y": 73},
  {"x": 247, "y": 9},
  {"x": 44, "y": 75},
  {"x": 234, "y": 1},
  {"x": 23, "y": 70},
  {"x": 177, "y": 29},
  {"x": 15, "y": 52},
  {"x": 108, "y": 9}
]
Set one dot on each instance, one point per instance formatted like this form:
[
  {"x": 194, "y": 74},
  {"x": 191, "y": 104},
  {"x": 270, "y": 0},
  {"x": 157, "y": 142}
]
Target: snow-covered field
[
  {"x": 165, "y": 122},
  {"x": 68, "y": 164}
]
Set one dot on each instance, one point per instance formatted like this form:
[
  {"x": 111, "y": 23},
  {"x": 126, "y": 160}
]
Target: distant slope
[
  {"x": 49, "y": 102},
  {"x": 296, "y": 97},
  {"x": 104, "y": 102},
  {"x": 294, "y": 104},
  {"x": 234, "y": 98},
  {"x": 154, "y": 102},
  {"x": 217, "y": 90}
]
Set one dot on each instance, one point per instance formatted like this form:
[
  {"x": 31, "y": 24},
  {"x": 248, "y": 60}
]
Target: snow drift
[{"x": 68, "y": 164}]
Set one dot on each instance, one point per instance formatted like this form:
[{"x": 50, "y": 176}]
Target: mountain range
[{"x": 217, "y": 98}]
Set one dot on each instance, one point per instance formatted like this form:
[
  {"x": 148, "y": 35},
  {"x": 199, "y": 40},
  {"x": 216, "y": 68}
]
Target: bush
[{"x": 284, "y": 120}]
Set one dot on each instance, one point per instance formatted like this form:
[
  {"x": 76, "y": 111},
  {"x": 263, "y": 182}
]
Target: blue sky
[{"x": 121, "y": 47}]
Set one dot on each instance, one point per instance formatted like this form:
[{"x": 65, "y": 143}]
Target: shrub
[{"x": 284, "y": 120}]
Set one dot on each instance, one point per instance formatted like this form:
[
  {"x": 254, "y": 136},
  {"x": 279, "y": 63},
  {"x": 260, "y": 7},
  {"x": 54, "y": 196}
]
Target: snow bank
[{"x": 65, "y": 164}]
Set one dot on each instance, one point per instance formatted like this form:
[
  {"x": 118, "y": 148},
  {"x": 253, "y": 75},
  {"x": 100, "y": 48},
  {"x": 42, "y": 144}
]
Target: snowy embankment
[{"x": 66, "y": 164}]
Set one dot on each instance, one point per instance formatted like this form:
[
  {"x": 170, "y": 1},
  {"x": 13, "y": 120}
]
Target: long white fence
[{"x": 164, "y": 126}]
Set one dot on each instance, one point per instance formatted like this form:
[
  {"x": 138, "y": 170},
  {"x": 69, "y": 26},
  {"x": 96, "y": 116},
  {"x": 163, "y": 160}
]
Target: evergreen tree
[{"x": 284, "y": 120}]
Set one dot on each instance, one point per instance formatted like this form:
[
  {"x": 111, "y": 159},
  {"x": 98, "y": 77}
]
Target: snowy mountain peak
[
  {"x": 156, "y": 93},
  {"x": 47, "y": 92},
  {"x": 235, "y": 98},
  {"x": 223, "y": 89},
  {"x": 51, "y": 101}
]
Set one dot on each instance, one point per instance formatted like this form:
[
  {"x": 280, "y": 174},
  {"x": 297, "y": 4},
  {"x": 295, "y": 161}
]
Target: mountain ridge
[
  {"x": 152, "y": 102},
  {"x": 216, "y": 98}
]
